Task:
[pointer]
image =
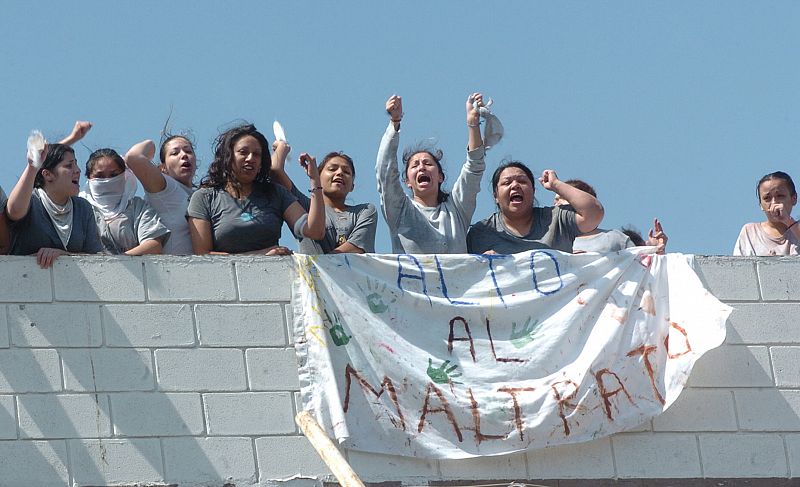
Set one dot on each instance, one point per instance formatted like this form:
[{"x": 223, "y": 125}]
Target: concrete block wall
[{"x": 180, "y": 370}]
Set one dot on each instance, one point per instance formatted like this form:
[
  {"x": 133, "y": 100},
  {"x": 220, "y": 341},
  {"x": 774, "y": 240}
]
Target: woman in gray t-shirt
[
  {"x": 519, "y": 226},
  {"x": 239, "y": 210},
  {"x": 126, "y": 223},
  {"x": 348, "y": 228}
]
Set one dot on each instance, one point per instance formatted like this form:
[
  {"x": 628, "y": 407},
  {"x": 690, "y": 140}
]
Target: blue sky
[{"x": 670, "y": 109}]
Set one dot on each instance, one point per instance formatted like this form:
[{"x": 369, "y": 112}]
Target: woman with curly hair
[{"x": 238, "y": 210}]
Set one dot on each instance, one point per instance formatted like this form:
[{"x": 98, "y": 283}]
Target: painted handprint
[
  {"x": 336, "y": 330},
  {"x": 525, "y": 334},
  {"x": 377, "y": 296},
  {"x": 442, "y": 374}
]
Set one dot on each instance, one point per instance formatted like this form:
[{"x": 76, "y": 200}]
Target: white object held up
[
  {"x": 277, "y": 129},
  {"x": 36, "y": 145}
]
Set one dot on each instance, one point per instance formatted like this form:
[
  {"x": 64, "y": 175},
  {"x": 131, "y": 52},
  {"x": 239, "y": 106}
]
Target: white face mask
[{"x": 111, "y": 195}]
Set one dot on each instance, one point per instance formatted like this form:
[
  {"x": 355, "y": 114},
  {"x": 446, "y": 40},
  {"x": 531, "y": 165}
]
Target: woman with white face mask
[{"x": 126, "y": 223}]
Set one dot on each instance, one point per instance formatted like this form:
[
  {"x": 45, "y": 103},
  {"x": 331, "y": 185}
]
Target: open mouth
[
  {"x": 248, "y": 167},
  {"x": 516, "y": 198},
  {"x": 423, "y": 178},
  {"x": 338, "y": 181}
]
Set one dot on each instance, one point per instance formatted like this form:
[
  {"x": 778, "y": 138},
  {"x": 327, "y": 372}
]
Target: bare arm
[
  {"x": 589, "y": 211},
  {"x": 139, "y": 159},
  {"x": 280, "y": 151},
  {"x": 19, "y": 201},
  {"x": 348, "y": 248},
  {"x": 474, "y": 121},
  {"x": 149, "y": 246},
  {"x": 314, "y": 227},
  {"x": 79, "y": 131},
  {"x": 200, "y": 231}
]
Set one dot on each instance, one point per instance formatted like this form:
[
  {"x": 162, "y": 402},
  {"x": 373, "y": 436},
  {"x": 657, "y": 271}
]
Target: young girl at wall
[
  {"x": 518, "y": 226},
  {"x": 431, "y": 221},
  {"x": 167, "y": 186},
  {"x": 348, "y": 228},
  {"x": 239, "y": 210},
  {"x": 779, "y": 234},
  {"x": 126, "y": 223},
  {"x": 47, "y": 216}
]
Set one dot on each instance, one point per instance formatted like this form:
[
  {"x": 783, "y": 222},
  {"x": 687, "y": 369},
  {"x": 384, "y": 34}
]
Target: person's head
[
  {"x": 337, "y": 174},
  {"x": 634, "y": 235},
  {"x": 59, "y": 174},
  {"x": 423, "y": 172},
  {"x": 178, "y": 159},
  {"x": 241, "y": 157},
  {"x": 575, "y": 183},
  {"x": 104, "y": 164},
  {"x": 776, "y": 188},
  {"x": 513, "y": 188}
]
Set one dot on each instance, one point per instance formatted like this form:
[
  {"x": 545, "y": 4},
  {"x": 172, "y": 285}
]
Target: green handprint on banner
[
  {"x": 526, "y": 333},
  {"x": 442, "y": 374},
  {"x": 376, "y": 296},
  {"x": 336, "y": 331}
]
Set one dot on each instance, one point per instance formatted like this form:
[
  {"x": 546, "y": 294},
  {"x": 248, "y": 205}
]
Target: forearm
[
  {"x": 139, "y": 160},
  {"x": 19, "y": 201},
  {"x": 585, "y": 205},
  {"x": 315, "y": 225},
  {"x": 149, "y": 246},
  {"x": 279, "y": 176},
  {"x": 348, "y": 248}
]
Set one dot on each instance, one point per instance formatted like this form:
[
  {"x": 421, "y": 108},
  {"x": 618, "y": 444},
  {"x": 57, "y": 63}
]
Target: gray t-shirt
[
  {"x": 139, "y": 222},
  {"x": 356, "y": 225},
  {"x": 553, "y": 227},
  {"x": 754, "y": 241},
  {"x": 242, "y": 226},
  {"x": 36, "y": 231},
  {"x": 418, "y": 229},
  {"x": 605, "y": 241},
  {"x": 170, "y": 204}
]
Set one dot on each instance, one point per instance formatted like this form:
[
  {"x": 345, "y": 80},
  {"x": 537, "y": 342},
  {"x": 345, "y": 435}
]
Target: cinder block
[
  {"x": 768, "y": 409},
  {"x": 373, "y": 467},
  {"x": 265, "y": 278},
  {"x": 210, "y": 461},
  {"x": 63, "y": 416},
  {"x": 23, "y": 281},
  {"x": 793, "y": 452},
  {"x": 280, "y": 457},
  {"x": 39, "y": 463},
  {"x": 55, "y": 325},
  {"x": 249, "y": 413},
  {"x": 733, "y": 455},
  {"x": 8, "y": 418},
  {"x": 589, "y": 460},
  {"x": 785, "y": 362},
  {"x": 29, "y": 371},
  {"x": 156, "y": 414},
  {"x": 699, "y": 410},
  {"x": 729, "y": 278},
  {"x": 200, "y": 370},
  {"x": 108, "y": 369},
  {"x": 754, "y": 323},
  {"x": 647, "y": 455},
  {"x": 148, "y": 325},
  {"x": 115, "y": 461},
  {"x": 505, "y": 467},
  {"x": 778, "y": 279},
  {"x": 240, "y": 325},
  {"x": 270, "y": 369},
  {"x": 733, "y": 366},
  {"x": 98, "y": 278},
  {"x": 173, "y": 278}
]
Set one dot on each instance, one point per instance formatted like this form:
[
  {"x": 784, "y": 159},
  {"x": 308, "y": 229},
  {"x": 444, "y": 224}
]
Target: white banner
[{"x": 454, "y": 356}]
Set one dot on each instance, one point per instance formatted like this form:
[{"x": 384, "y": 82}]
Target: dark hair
[
  {"x": 776, "y": 175},
  {"x": 634, "y": 235},
  {"x": 100, "y": 154},
  {"x": 437, "y": 156},
  {"x": 220, "y": 173},
  {"x": 581, "y": 185},
  {"x": 341, "y": 154},
  {"x": 55, "y": 152},
  {"x": 505, "y": 165}
]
